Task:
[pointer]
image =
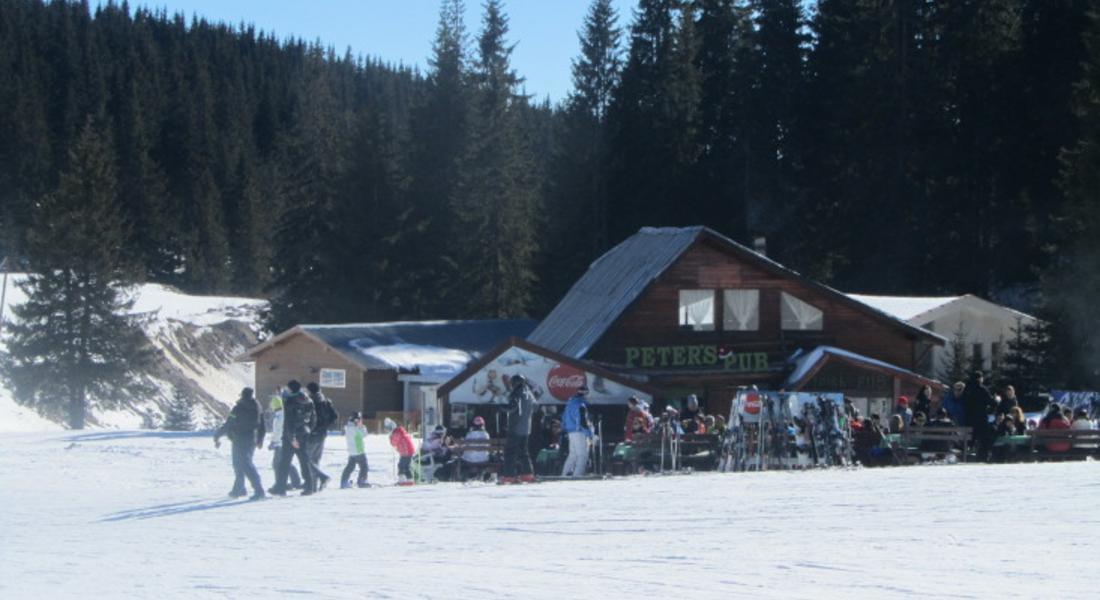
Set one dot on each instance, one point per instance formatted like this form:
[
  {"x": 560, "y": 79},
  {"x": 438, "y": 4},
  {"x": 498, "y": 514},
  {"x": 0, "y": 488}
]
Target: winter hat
[
  {"x": 313, "y": 387},
  {"x": 439, "y": 430},
  {"x": 246, "y": 393},
  {"x": 583, "y": 389},
  {"x": 479, "y": 422},
  {"x": 276, "y": 402},
  {"x": 354, "y": 416},
  {"x": 389, "y": 425},
  {"x": 294, "y": 385},
  {"x": 903, "y": 401}
]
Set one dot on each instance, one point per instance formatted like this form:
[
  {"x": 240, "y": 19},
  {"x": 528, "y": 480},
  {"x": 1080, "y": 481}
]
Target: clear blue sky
[{"x": 402, "y": 30}]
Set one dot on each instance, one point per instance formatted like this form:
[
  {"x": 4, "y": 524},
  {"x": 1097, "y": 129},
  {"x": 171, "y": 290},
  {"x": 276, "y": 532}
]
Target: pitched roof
[
  {"x": 405, "y": 345},
  {"x": 809, "y": 364},
  {"x": 919, "y": 310},
  {"x": 615, "y": 280}
]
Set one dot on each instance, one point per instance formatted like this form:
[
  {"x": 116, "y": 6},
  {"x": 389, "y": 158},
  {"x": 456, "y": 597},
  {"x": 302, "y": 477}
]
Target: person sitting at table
[
  {"x": 1006, "y": 426},
  {"x": 1017, "y": 415},
  {"x": 720, "y": 426},
  {"x": 637, "y": 419},
  {"x": 868, "y": 443},
  {"x": 941, "y": 419},
  {"x": 1055, "y": 420},
  {"x": 709, "y": 422},
  {"x": 897, "y": 424},
  {"x": 1081, "y": 421},
  {"x": 920, "y": 419}
]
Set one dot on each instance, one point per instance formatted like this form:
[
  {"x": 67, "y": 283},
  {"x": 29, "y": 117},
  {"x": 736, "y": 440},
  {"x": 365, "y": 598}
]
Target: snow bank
[
  {"x": 196, "y": 357},
  {"x": 117, "y": 514}
]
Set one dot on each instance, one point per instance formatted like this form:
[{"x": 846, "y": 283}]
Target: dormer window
[
  {"x": 697, "y": 310},
  {"x": 800, "y": 316}
]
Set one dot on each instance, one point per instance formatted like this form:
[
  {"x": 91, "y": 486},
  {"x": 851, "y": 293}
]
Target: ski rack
[{"x": 760, "y": 437}]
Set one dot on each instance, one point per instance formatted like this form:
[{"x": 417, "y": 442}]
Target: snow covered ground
[{"x": 144, "y": 515}]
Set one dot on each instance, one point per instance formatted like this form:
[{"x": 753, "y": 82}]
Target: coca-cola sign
[{"x": 563, "y": 381}]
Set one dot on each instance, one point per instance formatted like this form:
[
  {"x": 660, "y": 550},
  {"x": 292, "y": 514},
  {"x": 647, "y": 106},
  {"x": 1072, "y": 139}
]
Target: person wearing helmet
[
  {"x": 355, "y": 435},
  {"x": 476, "y": 458},
  {"x": 520, "y": 411},
  {"x": 406, "y": 449}
]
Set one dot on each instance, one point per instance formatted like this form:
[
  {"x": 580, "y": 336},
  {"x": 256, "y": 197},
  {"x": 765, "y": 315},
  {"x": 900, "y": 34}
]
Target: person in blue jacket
[{"x": 577, "y": 426}]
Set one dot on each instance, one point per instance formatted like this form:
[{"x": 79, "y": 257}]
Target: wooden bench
[
  {"x": 1082, "y": 443},
  {"x": 495, "y": 448},
  {"x": 918, "y": 441}
]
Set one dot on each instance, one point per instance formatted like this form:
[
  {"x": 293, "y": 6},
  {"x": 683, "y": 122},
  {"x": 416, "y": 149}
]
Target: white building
[{"x": 986, "y": 327}]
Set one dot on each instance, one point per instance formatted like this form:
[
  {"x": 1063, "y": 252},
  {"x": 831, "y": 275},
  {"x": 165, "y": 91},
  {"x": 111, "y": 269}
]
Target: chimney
[{"x": 760, "y": 245}]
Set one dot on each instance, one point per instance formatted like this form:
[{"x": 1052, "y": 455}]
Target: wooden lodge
[{"x": 690, "y": 311}]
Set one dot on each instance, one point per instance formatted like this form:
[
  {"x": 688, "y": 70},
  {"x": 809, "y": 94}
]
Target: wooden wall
[
  {"x": 383, "y": 392},
  {"x": 296, "y": 357},
  {"x": 653, "y": 320}
]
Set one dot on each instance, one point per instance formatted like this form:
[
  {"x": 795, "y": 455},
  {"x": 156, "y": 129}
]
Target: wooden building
[
  {"x": 694, "y": 312},
  {"x": 376, "y": 367}
]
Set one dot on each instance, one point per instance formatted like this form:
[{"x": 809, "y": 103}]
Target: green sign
[{"x": 702, "y": 355}]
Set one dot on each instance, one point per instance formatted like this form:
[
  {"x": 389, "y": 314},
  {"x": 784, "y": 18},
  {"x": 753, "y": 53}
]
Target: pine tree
[
  {"x": 955, "y": 364},
  {"x": 497, "y": 204},
  {"x": 440, "y": 148},
  {"x": 72, "y": 339},
  {"x": 1029, "y": 363},
  {"x": 180, "y": 413},
  {"x": 578, "y": 217}
]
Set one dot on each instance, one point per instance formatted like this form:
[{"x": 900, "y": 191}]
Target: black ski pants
[
  {"x": 355, "y": 461},
  {"x": 517, "y": 460},
  {"x": 289, "y": 452},
  {"x": 292, "y": 471},
  {"x": 244, "y": 468}
]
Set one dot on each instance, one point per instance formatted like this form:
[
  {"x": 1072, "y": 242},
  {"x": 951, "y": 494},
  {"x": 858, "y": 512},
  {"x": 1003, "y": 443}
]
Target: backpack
[{"x": 326, "y": 415}]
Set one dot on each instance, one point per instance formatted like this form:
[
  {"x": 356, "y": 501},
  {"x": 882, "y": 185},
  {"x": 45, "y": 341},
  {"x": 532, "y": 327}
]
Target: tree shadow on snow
[
  {"x": 102, "y": 436},
  {"x": 168, "y": 510}
]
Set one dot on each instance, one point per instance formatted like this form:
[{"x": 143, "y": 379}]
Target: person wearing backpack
[
  {"x": 577, "y": 426},
  {"x": 326, "y": 418},
  {"x": 299, "y": 422},
  {"x": 245, "y": 429}
]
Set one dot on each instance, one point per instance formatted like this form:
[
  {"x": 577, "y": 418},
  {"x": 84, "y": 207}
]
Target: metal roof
[
  {"x": 612, "y": 282},
  {"x": 615, "y": 280},
  {"x": 473, "y": 337}
]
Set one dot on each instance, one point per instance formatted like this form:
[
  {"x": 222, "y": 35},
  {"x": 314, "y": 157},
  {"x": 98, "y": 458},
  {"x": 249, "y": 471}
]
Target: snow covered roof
[
  {"x": 615, "y": 280},
  {"x": 435, "y": 348},
  {"x": 918, "y": 310},
  {"x": 807, "y": 365},
  {"x": 904, "y": 307}
]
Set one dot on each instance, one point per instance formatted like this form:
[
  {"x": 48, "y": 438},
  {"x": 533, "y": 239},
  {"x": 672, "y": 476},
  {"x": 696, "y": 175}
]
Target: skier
[
  {"x": 245, "y": 428},
  {"x": 355, "y": 435},
  {"x": 276, "y": 444},
  {"x": 519, "y": 410},
  {"x": 406, "y": 449},
  {"x": 300, "y": 419},
  {"x": 473, "y": 460},
  {"x": 326, "y": 418},
  {"x": 576, "y": 425}
]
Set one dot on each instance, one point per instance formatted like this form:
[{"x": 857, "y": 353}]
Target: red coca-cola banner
[{"x": 564, "y": 380}]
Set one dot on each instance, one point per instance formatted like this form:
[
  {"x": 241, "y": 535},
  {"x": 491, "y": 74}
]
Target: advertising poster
[{"x": 553, "y": 382}]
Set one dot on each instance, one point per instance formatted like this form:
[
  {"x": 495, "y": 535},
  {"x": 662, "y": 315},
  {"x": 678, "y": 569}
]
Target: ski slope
[{"x": 144, "y": 515}]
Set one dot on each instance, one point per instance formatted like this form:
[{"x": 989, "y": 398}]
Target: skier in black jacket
[
  {"x": 326, "y": 418},
  {"x": 300, "y": 420},
  {"x": 979, "y": 404},
  {"x": 245, "y": 428}
]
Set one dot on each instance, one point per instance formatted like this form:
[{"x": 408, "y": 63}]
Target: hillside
[{"x": 195, "y": 338}]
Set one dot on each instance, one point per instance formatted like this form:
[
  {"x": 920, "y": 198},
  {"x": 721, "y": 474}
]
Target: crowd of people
[{"x": 301, "y": 419}]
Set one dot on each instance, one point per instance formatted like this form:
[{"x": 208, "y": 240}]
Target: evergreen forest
[{"x": 910, "y": 147}]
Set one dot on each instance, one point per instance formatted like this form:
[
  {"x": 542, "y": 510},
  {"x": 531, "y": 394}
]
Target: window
[
  {"x": 333, "y": 378},
  {"x": 697, "y": 309},
  {"x": 800, "y": 316},
  {"x": 741, "y": 310},
  {"x": 978, "y": 357}
]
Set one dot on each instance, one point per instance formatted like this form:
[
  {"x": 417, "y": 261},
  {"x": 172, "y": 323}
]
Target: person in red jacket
[
  {"x": 1055, "y": 420},
  {"x": 638, "y": 420},
  {"x": 406, "y": 449}
]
